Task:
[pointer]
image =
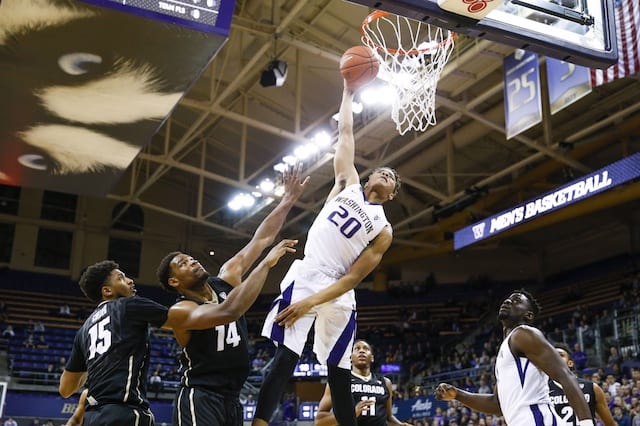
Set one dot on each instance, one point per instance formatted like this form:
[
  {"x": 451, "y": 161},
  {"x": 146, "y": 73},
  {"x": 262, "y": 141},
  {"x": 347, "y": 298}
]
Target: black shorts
[
  {"x": 196, "y": 407},
  {"x": 117, "y": 415}
]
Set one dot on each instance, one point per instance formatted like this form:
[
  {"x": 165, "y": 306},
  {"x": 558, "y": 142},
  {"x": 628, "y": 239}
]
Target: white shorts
[
  {"x": 535, "y": 415},
  {"x": 335, "y": 321}
]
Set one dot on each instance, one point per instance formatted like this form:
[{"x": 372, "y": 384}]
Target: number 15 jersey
[
  {"x": 112, "y": 346},
  {"x": 342, "y": 230}
]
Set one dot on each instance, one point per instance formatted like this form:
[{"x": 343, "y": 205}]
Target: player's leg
[
  {"x": 290, "y": 343},
  {"x": 196, "y": 406},
  {"x": 282, "y": 366},
  {"x": 335, "y": 329},
  {"x": 115, "y": 414}
]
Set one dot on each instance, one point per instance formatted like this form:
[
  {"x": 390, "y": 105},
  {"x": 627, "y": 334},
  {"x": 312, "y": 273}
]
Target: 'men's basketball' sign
[{"x": 601, "y": 180}]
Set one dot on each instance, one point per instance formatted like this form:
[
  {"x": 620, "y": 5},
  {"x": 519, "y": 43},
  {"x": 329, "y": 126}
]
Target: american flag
[{"x": 627, "y": 17}]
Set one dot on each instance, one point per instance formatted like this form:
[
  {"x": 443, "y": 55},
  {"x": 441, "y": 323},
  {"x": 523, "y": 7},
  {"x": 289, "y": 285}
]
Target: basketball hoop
[{"x": 412, "y": 55}]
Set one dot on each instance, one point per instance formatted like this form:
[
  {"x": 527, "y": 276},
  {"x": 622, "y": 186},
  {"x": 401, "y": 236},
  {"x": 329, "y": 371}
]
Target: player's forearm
[
  {"x": 325, "y": 419},
  {"x": 392, "y": 420},
  {"x": 334, "y": 290},
  {"x": 486, "y": 403},
  {"x": 345, "y": 113},
  {"x": 241, "y": 298},
  {"x": 271, "y": 225}
]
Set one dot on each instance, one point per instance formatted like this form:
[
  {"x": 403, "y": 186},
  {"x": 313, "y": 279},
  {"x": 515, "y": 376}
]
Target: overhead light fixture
[{"x": 275, "y": 74}]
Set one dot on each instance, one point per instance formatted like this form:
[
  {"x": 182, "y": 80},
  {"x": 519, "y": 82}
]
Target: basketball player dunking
[
  {"x": 525, "y": 362},
  {"x": 372, "y": 393},
  {"x": 345, "y": 243}
]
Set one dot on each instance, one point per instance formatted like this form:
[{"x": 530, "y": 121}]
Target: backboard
[{"x": 577, "y": 31}]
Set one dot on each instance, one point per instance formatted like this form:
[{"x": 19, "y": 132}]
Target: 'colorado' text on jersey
[
  {"x": 342, "y": 230},
  {"x": 561, "y": 403},
  {"x": 374, "y": 389}
]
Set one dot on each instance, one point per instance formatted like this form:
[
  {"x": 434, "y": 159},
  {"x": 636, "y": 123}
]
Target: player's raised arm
[
  {"x": 185, "y": 316},
  {"x": 233, "y": 269},
  {"x": 344, "y": 158}
]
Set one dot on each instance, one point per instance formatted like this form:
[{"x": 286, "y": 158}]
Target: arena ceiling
[{"x": 227, "y": 133}]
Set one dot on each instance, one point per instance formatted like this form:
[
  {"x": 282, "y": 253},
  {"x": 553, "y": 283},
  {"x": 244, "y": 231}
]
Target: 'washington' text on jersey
[
  {"x": 358, "y": 210},
  {"x": 345, "y": 226}
]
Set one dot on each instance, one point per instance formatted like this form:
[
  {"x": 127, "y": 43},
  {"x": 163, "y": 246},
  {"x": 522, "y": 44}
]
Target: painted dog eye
[
  {"x": 33, "y": 161},
  {"x": 75, "y": 63}
]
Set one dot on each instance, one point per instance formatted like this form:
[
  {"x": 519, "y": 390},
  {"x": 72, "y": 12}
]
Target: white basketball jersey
[
  {"x": 342, "y": 230},
  {"x": 523, "y": 389}
]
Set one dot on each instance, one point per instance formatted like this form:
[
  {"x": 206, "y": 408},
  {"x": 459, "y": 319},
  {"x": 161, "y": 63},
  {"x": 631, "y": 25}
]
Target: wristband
[{"x": 586, "y": 422}]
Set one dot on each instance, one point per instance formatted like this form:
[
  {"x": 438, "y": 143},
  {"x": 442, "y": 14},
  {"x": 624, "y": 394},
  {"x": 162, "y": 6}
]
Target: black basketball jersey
[
  {"x": 561, "y": 404},
  {"x": 373, "y": 389},
  {"x": 217, "y": 358},
  {"x": 113, "y": 347}
]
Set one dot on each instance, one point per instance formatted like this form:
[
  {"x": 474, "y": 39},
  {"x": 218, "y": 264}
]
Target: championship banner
[
  {"x": 580, "y": 189},
  {"x": 522, "y": 101},
  {"x": 567, "y": 83}
]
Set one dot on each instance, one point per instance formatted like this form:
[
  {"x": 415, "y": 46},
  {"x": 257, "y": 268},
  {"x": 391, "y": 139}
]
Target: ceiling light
[
  {"x": 290, "y": 160},
  {"x": 267, "y": 186},
  {"x": 322, "y": 139},
  {"x": 240, "y": 201},
  {"x": 275, "y": 74},
  {"x": 280, "y": 167}
]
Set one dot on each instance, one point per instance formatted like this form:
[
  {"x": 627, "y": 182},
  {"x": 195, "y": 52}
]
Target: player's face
[
  {"x": 120, "y": 284},
  {"x": 514, "y": 307},
  {"x": 361, "y": 355},
  {"x": 565, "y": 356},
  {"x": 383, "y": 180},
  {"x": 187, "y": 270}
]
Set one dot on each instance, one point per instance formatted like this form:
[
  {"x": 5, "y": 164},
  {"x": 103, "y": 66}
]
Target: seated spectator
[
  {"x": 64, "y": 311},
  {"x": 614, "y": 357},
  {"x": 29, "y": 342},
  {"x": 41, "y": 343},
  {"x": 10, "y": 422},
  {"x": 579, "y": 358},
  {"x": 38, "y": 327},
  {"x": 155, "y": 383},
  {"x": 4, "y": 312},
  {"x": 51, "y": 376},
  {"x": 619, "y": 415},
  {"x": 62, "y": 363},
  {"x": 8, "y": 332}
]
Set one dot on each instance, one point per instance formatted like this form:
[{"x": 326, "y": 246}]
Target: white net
[{"x": 412, "y": 55}]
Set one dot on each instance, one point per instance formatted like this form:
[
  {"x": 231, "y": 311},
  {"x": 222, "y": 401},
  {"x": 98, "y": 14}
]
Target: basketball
[{"x": 358, "y": 66}]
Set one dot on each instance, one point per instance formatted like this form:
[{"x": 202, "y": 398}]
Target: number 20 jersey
[
  {"x": 342, "y": 230},
  {"x": 113, "y": 347}
]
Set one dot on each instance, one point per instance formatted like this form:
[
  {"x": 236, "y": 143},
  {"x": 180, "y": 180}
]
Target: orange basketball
[{"x": 358, "y": 66}]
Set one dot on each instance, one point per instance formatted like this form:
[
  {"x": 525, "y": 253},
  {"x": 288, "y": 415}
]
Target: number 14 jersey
[{"x": 342, "y": 230}]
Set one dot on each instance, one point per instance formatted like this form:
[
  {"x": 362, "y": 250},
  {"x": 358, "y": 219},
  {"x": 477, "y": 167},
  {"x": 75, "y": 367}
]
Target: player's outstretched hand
[
  {"x": 293, "y": 312},
  {"x": 279, "y": 250},
  {"x": 293, "y": 187},
  {"x": 446, "y": 392}
]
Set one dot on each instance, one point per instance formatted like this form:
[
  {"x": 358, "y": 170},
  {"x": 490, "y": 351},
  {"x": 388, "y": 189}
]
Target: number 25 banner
[{"x": 522, "y": 102}]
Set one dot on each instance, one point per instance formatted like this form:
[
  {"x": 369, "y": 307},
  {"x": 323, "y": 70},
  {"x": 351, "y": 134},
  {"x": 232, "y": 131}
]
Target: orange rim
[{"x": 377, "y": 14}]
